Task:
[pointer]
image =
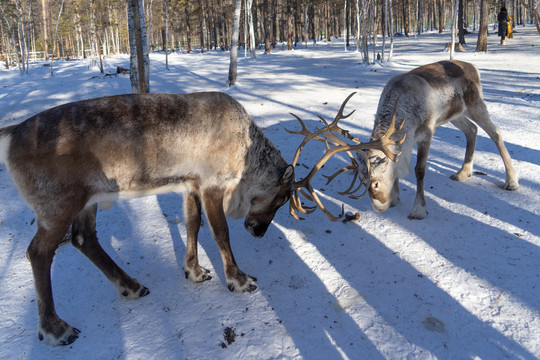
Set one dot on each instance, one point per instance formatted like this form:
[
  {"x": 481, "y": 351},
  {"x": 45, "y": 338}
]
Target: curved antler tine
[
  {"x": 348, "y": 191},
  {"x": 306, "y": 195},
  {"x": 356, "y": 197},
  {"x": 340, "y": 115},
  {"x": 292, "y": 211},
  {"x": 334, "y": 175},
  {"x": 296, "y": 204},
  {"x": 326, "y": 212},
  {"x": 366, "y": 180},
  {"x": 324, "y": 121},
  {"x": 302, "y": 131},
  {"x": 358, "y": 188}
]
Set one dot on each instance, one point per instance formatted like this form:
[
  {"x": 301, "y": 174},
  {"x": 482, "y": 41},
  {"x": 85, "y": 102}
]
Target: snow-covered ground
[{"x": 464, "y": 283}]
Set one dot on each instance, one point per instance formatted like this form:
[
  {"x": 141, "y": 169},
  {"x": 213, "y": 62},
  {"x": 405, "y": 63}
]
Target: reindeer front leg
[
  {"x": 419, "y": 210},
  {"x": 192, "y": 214},
  {"x": 237, "y": 280}
]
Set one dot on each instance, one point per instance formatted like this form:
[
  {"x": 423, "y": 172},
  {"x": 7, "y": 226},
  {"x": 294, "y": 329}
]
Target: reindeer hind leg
[
  {"x": 51, "y": 328},
  {"x": 470, "y": 130},
  {"x": 478, "y": 112},
  {"x": 84, "y": 238}
]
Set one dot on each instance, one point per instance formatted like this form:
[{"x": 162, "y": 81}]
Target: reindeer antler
[{"x": 335, "y": 144}]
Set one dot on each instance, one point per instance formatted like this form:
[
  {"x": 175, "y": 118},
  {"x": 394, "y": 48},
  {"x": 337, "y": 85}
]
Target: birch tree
[
  {"x": 45, "y": 19},
  {"x": 234, "y": 44},
  {"x": 249, "y": 15},
  {"x": 139, "y": 60},
  {"x": 55, "y": 35},
  {"x": 454, "y": 24},
  {"x": 391, "y": 31},
  {"x": 385, "y": 28},
  {"x": 166, "y": 33}
]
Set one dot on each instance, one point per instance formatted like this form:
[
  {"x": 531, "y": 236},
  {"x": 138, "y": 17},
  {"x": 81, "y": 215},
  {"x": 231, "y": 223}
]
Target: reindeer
[
  {"x": 425, "y": 98},
  {"x": 68, "y": 159}
]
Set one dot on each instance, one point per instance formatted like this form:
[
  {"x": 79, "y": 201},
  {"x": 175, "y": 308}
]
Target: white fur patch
[
  {"x": 106, "y": 205},
  {"x": 4, "y": 147},
  {"x": 106, "y": 199},
  {"x": 80, "y": 240}
]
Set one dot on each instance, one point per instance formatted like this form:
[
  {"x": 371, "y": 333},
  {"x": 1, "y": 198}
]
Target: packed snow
[{"x": 464, "y": 283}]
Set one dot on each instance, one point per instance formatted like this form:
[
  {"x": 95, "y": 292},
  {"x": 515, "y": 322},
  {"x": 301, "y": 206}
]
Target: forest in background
[{"x": 76, "y": 29}]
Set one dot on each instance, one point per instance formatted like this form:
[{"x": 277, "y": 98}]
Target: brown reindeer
[{"x": 66, "y": 160}]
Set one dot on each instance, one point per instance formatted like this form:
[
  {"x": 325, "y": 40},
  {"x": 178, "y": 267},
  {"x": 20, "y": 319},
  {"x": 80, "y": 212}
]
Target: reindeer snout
[
  {"x": 380, "y": 206},
  {"x": 255, "y": 228}
]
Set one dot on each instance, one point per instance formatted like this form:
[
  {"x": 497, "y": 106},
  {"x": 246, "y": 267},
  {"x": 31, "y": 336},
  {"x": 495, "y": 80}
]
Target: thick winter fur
[
  {"x": 67, "y": 159},
  {"x": 429, "y": 96}
]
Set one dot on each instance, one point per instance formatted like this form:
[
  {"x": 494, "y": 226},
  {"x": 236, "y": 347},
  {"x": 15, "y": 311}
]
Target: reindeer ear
[{"x": 287, "y": 174}]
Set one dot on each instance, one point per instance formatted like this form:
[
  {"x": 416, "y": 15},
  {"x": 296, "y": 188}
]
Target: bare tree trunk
[
  {"x": 365, "y": 18},
  {"x": 188, "y": 30},
  {"x": 289, "y": 24},
  {"x": 14, "y": 42},
  {"x": 202, "y": 23},
  {"x": 166, "y": 35},
  {"x": 357, "y": 25},
  {"x": 44, "y": 7},
  {"x": 346, "y": 22},
  {"x": 234, "y": 44},
  {"x": 454, "y": 30},
  {"x": 56, "y": 34},
  {"x": 139, "y": 62},
  {"x": 441, "y": 16},
  {"x": 461, "y": 27},
  {"x": 385, "y": 28},
  {"x": 391, "y": 31},
  {"x": 266, "y": 24},
  {"x": 481, "y": 44},
  {"x": 306, "y": 21},
  {"x": 22, "y": 42},
  {"x": 252, "y": 46}
]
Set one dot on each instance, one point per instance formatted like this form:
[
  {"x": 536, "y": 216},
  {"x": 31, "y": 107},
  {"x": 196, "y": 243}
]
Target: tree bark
[
  {"x": 461, "y": 27},
  {"x": 481, "y": 44},
  {"x": 44, "y": 7},
  {"x": 266, "y": 24},
  {"x": 234, "y": 44},
  {"x": 138, "y": 48}
]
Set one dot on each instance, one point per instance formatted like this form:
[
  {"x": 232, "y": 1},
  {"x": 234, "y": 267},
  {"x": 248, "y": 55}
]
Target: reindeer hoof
[
  {"x": 144, "y": 291},
  {"x": 131, "y": 294},
  {"x": 460, "y": 176},
  {"x": 511, "y": 186},
  {"x": 243, "y": 283},
  {"x": 71, "y": 338},
  {"x": 250, "y": 288},
  {"x": 197, "y": 275},
  {"x": 68, "y": 337},
  {"x": 418, "y": 215}
]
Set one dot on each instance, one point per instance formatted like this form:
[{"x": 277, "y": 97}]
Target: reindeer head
[
  {"x": 262, "y": 207},
  {"x": 335, "y": 139},
  {"x": 382, "y": 186}
]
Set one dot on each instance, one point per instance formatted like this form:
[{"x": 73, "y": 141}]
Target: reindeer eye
[{"x": 375, "y": 185}]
